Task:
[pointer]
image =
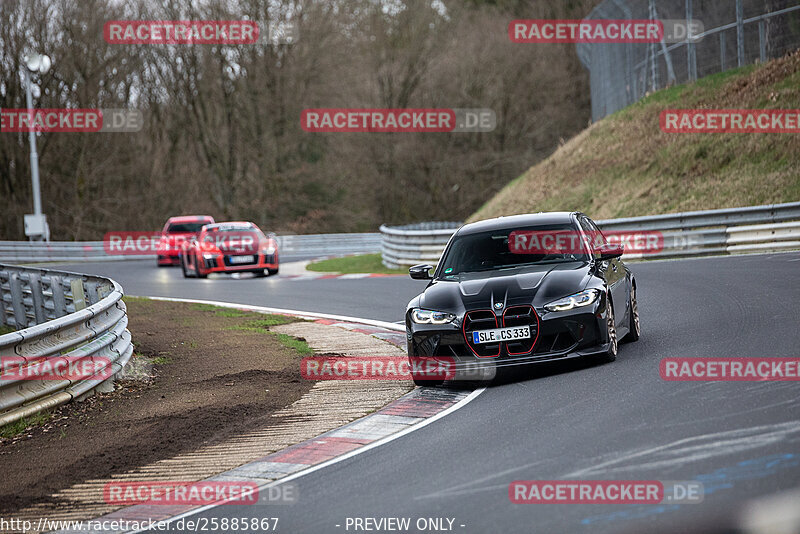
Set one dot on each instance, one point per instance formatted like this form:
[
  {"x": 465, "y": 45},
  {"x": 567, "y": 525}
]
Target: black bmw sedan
[{"x": 520, "y": 290}]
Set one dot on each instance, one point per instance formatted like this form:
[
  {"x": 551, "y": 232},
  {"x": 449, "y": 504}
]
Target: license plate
[
  {"x": 242, "y": 259},
  {"x": 501, "y": 334}
]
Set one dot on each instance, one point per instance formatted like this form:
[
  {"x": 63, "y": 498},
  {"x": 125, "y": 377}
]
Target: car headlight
[
  {"x": 420, "y": 316},
  {"x": 209, "y": 255},
  {"x": 578, "y": 300}
]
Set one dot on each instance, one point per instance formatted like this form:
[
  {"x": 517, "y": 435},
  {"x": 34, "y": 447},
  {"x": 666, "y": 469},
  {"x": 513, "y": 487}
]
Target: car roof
[
  {"x": 189, "y": 218},
  {"x": 512, "y": 221}
]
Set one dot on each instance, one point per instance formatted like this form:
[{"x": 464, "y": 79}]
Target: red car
[
  {"x": 230, "y": 247},
  {"x": 175, "y": 232}
]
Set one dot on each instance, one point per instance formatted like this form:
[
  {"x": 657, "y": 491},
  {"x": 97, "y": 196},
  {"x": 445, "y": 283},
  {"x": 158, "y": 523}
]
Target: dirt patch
[{"x": 199, "y": 375}]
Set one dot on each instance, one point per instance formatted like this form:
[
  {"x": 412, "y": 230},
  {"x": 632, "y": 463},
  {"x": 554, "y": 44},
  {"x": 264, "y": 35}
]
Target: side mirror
[
  {"x": 421, "y": 272},
  {"x": 611, "y": 251}
]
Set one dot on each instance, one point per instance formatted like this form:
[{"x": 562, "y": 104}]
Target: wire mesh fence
[{"x": 734, "y": 33}]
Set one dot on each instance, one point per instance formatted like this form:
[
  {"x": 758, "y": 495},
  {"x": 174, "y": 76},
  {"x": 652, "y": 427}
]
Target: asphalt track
[{"x": 577, "y": 421}]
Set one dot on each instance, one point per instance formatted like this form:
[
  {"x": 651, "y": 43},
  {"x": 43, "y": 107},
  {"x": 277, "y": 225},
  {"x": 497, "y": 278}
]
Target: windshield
[
  {"x": 182, "y": 228},
  {"x": 232, "y": 234},
  {"x": 500, "y": 249}
]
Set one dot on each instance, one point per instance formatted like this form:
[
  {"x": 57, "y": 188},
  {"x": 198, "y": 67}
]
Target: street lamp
[{"x": 35, "y": 224}]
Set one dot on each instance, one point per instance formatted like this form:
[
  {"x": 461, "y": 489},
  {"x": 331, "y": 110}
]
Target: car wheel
[
  {"x": 272, "y": 272},
  {"x": 183, "y": 268},
  {"x": 197, "y": 272},
  {"x": 635, "y": 327},
  {"x": 611, "y": 354}
]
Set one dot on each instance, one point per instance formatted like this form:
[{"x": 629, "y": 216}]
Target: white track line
[
  {"x": 457, "y": 406},
  {"x": 264, "y": 309},
  {"x": 389, "y": 326}
]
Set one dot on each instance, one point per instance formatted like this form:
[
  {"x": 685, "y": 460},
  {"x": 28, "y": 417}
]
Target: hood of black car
[{"x": 497, "y": 290}]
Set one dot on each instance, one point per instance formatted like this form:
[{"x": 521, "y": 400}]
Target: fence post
[
  {"x": 739, "y": 32},
  {"x": 691, "y": 51},
  {"x": 722, "y": 45},
  {"x": 653, "y": 65}
]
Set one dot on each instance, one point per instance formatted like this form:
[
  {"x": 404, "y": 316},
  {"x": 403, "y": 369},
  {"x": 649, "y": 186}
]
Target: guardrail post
[
  {"x": 3, "y": 314},
  {"x": 78, "y": 297},
  {"x": 17, "y": 302},
  {"x": 93, "y": 294},
  {"x": 37, "y": 297},
  {"x": 59, "y": 301}
]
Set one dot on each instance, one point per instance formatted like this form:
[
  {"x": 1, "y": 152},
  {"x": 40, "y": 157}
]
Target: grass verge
[
  {"x": 364, "y": 263},
  {"x": 625, "y": 166},
  {"x": 16, "y": 428}
]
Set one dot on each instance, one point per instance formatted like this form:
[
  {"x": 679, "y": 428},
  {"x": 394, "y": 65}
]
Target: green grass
[
  {"x": 365, "y": 263},
  {"x": 262, "y": 323},
  {"x": 293, "y": 343},
  {"x": 625, "y": 166},
  {"x": 140, "y": 301},
  {"x": 220, "y": 310},
  {"x": 5, "y": 329},
  {"x": 18, "y": 427},
  {"x": 160, "y": 360}
]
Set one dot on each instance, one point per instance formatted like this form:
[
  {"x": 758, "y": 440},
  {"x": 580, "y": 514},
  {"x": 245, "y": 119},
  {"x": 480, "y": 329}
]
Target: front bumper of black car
[{"x": 563, "y": 335}]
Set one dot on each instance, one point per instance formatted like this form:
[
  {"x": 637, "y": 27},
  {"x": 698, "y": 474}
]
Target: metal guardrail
[
  {"x": 60, "y": 317},
  {"x": 411, "y": 244},
  {"x": 329, "y": 244},
  {"x": 73, "y": 251},
  {"x": 771, "y": 227}
]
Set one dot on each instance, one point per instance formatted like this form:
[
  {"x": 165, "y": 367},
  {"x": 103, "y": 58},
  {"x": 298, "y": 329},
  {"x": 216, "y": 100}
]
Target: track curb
[{"x": 414, "y": 410}]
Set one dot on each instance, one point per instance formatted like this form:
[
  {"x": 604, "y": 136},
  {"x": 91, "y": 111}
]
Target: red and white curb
[{"x": 413, "y": 411}]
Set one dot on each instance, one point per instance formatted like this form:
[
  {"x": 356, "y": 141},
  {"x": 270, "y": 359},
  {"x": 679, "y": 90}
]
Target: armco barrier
[
  {"x": 411, "y": 244},
  {"x": 59, "y": 316},
  {"x": 772, "y": 227},
  {"x": 74, "y": 251}
]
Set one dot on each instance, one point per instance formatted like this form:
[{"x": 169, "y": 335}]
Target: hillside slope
[{"x": 624, "y": 165}]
